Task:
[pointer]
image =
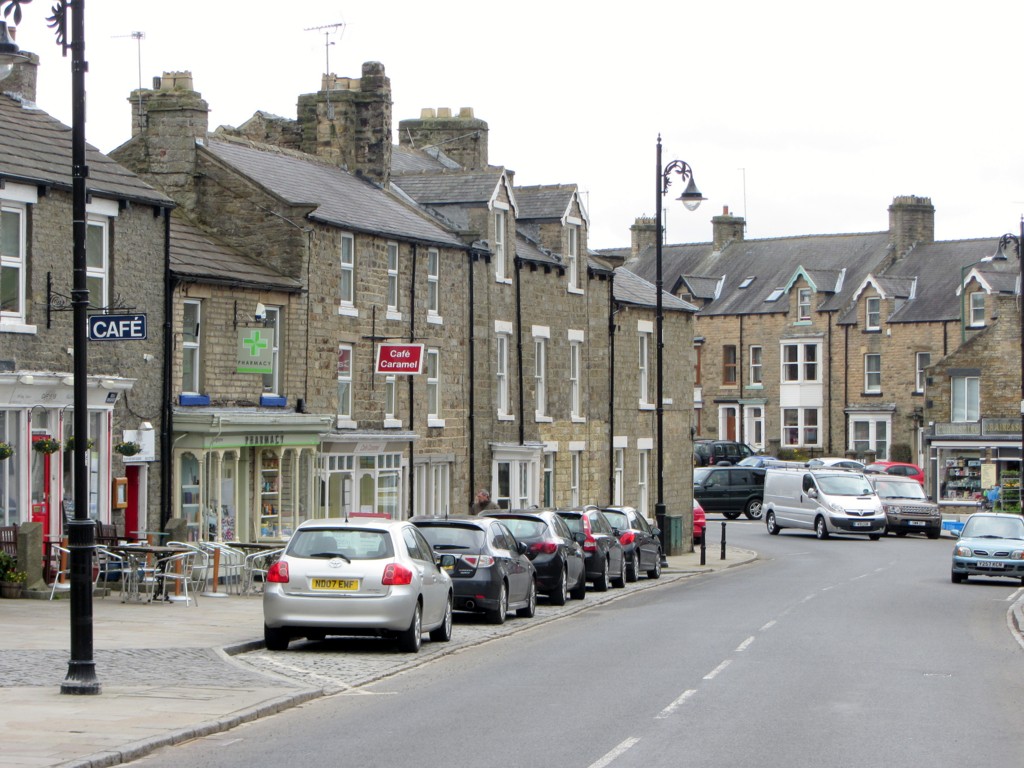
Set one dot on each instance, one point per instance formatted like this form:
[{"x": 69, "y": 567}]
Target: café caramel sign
[{"x": 400, "y": 359}]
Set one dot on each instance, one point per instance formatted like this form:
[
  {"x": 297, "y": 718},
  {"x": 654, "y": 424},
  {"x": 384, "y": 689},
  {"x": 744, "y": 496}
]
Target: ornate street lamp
[
  {"x": 81, "y": 677},
  {"x": 691, "y": 198},
  {"x": 1017, "y": 241}
]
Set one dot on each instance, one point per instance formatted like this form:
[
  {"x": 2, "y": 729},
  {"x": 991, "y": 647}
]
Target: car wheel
[
  {"x": 655, "y": 572},
  {"x": 497, "y": 615},
  {"x": 601, "y": 583},
  {"x": 619, "y": 581},
  {"x": 275, "y": 638},
  {"x": 933, "y": 534},
  {"x": 580, "y": 590},
  {"x": 411, "y": 639},
  {"x": 561, "y": 593},
  {"x": 773, "y": 527},
  {"x": 753, "y": 510},
  {"x": 900, "y": 534},
  {"x": 731, "y": 515},
  {"x": 874, "y": 536},
  {"x": 956, "y": 578},
  {"x": 443, "y": 633},
  {"x": 530, "y": 609},
  {"x": 633, "y": 568},
  {"x": 820, "y": 528}
]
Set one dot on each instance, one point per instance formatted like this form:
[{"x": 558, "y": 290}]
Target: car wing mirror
[
  {"x": 812, "y": 493},
  {"x": 656, "y": 531},
  {"x": 446, "y": 562},
  {"x": 523, "y": 548},
  {"x": 579, "y": 538}
]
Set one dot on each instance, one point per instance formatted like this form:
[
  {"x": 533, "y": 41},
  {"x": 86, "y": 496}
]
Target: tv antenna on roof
[
  {"x": 328, "y": 30},
  {"x": 138, "y": 37}
]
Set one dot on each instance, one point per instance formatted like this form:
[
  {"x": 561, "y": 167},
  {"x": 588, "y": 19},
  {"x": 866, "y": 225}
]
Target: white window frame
[
  {"x": 540, "y": 374},
  {"x": 500, "y": 236},
  {"x": 391, "y": 403},
  {"x": 643, "y": 483},
  {"x": 16, "y": 261},
  {"x": 191, "y": 346},
  {"x": 393, "y": 311},
  {"x": 547, "y": 490},
  {"x": 434, "y": 286},
  {"x": 875, "y": 434},
  {"x": 872, "y": 373},
  {"x": 344, "y": 371},
  {"x": 753, "y": 426},
  {"x": 873, "y": 313},
  {"x": 921, "y": 361},
  {"x": 807, "y": 371},
  {"x": 977, "y": 311},
  {"x": 644, "y": 334},
  {"x": 619, "y": 479},
  {"x": 574, "y": 269},
  {"x": 803, "y": 429},
  {"x": 756, "y": 366},
  {"x": 576, "y": 376},
  {"x": 433, "y": 373},
  {"x": 575, "y": 474},
  {"x": 98, "y": 272},
  {"x": 272, "y": 380},
  {"x": 502, "y": 340},
  {"x": 803, "y": 304},
  {"x": 347, "y": 275},
  {"x": 432, "y": 483},
  {"x": 724, "y": 412},
  {"x": 965, "y": 398}
]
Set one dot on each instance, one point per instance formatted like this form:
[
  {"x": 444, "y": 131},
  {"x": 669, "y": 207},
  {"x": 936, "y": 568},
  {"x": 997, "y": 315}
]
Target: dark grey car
[{"x": 732, "y": 491}]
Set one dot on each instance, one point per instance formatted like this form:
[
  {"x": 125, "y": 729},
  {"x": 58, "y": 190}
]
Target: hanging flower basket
[
  {"x": 6, "y": 451},
  {"x": 46, "y": 445},
  {"x": 128, "y": 448},
  {"x": 69, "y": 443}
]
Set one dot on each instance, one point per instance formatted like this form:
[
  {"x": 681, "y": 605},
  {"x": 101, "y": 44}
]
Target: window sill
[
  {"x": 577, "y": 291},
  {"x": 503, "y": 280},
  {"x": 6, "y": 327},
  {"x": 644, "y": 406},
  {"x": 871, "y": 394},
  {"x": 392, "y": 423},
  {"x": 393, "y": 314},
  {"x": 578, "y": 419},
  {"x": 802, "y": 321},
  {"x": 348, "y": 311},
  {"x": 872, "y": 329},
  {"x": 434, "y": 422},
  {"x": 346, "y": 423},
  {"x": 754, "y": 386},
  {"x": 435, "y": 319},
  {"x": 193, "y": 399},
  {"x": 540, "y": 418},
  {"x": 505, "y": 416}
]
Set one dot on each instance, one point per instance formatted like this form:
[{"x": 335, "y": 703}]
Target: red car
[
  {"x": 897, "y": 468},
  {"x": 700, "y": 522}
]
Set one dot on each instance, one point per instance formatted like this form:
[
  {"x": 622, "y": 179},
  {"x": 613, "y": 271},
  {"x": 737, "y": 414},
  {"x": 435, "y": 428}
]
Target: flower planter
[{"x": 11, "y": 589}]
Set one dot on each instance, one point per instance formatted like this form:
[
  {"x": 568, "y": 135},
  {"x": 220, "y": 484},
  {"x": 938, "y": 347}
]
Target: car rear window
[
  {"x": 525, "y": 530},
  {"x": 574, "y": 523},
  {"x": 448, "y": 538},
  {"x": 617, "y": 519},
  {"x": 353, "y": 543}
]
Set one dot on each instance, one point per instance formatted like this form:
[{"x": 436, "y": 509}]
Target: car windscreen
[
  {"x": 350, "y": 543},
  {"x": 444, "y": 538},
  {"x": 894, "y": 489},
  {"x": 844, "y": 485},
  {"x": 524, "y": 529},
  {"x": 994, "y": 527},
  {"x": 700, "y": 474}
]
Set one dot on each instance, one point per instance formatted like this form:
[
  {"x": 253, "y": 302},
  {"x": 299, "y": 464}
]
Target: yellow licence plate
[{"x": 335, "y": 585}]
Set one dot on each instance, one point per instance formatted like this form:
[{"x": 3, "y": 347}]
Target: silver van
[{"x": 825, "y": 501}]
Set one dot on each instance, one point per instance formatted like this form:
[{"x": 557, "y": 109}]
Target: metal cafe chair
[
  {"x": 180, "y": 577},
  {"x": 62, "y": 569},
  {"x": 227, "y": 569},
  {"x": 255, "y": 571},
  {"x": 110, "y": 568}
]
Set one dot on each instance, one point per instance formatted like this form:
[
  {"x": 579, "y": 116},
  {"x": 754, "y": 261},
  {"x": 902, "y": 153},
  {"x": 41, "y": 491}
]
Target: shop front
[
  {"x": 363, "y": 475},
  {"x": 244, "y": 476},
  {"x": 966, "y": 460}
]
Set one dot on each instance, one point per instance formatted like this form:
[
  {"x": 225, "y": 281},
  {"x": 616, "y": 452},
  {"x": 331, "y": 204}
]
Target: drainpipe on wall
[
  {"x": 612, "y": 311},
  {"x": 846, "y": 379},
  {"x": 471, "y": 326},
  {"x": 739, "y": 380},
  {"x": 167, "y": 422},
  {"x": 412, "y": 402},
  {"x": 519, "y": 349}
]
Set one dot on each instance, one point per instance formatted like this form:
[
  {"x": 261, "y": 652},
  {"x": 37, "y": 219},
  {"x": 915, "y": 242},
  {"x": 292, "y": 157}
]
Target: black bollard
[
  {"x": 704, "y": 545},
  {"x": 723, "y": 541}
]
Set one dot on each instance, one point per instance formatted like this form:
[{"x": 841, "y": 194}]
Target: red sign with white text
[{"x": 400, "y": 359}]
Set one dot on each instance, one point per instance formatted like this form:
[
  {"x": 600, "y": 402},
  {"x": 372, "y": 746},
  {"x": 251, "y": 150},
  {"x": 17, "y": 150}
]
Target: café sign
[{"x": 400, "y": 359}]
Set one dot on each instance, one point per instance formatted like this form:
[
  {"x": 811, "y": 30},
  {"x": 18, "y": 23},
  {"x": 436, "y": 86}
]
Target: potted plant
[
  {"x": 69, "y": 443},
  {"x": 46, "y": 445},
  {"x": 12, "y": 581},
  {"x": 128, "y": 448},
  {"x": 6, "y": 450}
]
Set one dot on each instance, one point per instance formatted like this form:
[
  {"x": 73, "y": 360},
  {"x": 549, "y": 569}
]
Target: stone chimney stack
[
  {"x": 22, "y": 79},
  {"x": 169, "y": 119},
  {"x": 349, "y": 122},
  {"x": 463, "y": 137},
  {"x": 727, "y": 229},
  {"x": 642, "y": 235},
  {"x": 911, "y": 220}
]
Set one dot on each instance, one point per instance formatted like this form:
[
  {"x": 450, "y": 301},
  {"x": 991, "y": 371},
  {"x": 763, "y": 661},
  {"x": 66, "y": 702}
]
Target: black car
[
  {"x": 730, "y": 490},
  {"x": 707, "y": 453},
  {"x": 641, "y": 542},
  {"x": 603, "y": 557},
  {"x": 556, "y": 553},
  {"x": 492, "y": 572}
]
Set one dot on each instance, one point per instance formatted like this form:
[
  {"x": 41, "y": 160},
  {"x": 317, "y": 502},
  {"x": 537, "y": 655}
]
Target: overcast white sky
[{"x": 807, "y": 116}]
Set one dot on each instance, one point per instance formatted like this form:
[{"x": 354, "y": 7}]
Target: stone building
[{"x": 126, "y": 247}]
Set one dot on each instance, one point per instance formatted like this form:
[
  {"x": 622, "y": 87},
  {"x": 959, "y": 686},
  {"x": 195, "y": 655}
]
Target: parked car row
[{"x": 401, "y": 579}]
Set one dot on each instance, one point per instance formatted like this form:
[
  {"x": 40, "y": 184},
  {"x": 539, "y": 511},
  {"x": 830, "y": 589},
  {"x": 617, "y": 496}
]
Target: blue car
[{"x": 990, "y": 544}]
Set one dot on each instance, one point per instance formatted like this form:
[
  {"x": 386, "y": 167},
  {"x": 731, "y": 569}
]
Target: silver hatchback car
[{"x": 358, "y": 577}]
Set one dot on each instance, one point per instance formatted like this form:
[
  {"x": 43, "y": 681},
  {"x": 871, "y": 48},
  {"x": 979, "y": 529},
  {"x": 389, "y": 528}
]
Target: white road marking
[
  {"x": 769, "y": 625},
  {"x": 610, "y": 757},
  {"x": 745, "y": 644},
  {"x": 714, "y": 672},
  {"x": 675, "y": 704}
]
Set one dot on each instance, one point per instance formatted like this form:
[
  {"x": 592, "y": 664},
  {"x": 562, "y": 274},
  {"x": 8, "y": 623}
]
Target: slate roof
[
  {"x": 530, "y": 250},
  {"x": 410, "y": 160},
  {"x": 450, "y": 187},
  {"x": 630, "y": 288},
  {"x": 551, "y": 201},
  {"x": 199, "y": 256},
  {"x": 340, "y": 199},
  {"x": 36, "y": 148}
]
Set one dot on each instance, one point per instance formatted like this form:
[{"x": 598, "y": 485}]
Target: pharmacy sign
[{"x": 255, "y": 350}]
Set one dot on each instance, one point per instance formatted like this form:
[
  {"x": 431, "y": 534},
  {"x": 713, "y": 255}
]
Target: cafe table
[{"x": 143, "y": 564}]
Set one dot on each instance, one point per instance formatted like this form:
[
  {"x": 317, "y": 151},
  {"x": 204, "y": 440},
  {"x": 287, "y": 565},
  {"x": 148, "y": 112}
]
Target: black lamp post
[
  {"x": 691, "y": 198},
  {"x": 1017, "y": 241},
  {"x": 81, "y": 677}
]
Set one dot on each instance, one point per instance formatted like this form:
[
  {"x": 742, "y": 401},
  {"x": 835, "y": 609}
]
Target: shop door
[{"x": 41, "y": 490}]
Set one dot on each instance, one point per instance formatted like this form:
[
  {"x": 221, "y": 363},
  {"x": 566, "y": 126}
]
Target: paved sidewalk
[{"x": 170, "y": 672}]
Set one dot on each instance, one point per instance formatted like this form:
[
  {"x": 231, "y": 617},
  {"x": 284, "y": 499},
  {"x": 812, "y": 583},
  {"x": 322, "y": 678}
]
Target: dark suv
[
  {"x": 730, "y": 490},
  {"x": 707, "y": 453}
]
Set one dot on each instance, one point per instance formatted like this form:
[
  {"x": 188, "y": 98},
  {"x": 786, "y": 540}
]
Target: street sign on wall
[
  {"x": 117, "y": 328},
  {"x": 255, "y": 353},
  {"x": 400, "y": 359}
]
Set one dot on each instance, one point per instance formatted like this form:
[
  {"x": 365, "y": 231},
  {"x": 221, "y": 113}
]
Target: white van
[{"x": 825, "y": 501}]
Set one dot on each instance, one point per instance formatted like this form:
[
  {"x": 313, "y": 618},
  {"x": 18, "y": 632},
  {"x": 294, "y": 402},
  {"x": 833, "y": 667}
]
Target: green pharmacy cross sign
[{"x": 254, "y": 351}]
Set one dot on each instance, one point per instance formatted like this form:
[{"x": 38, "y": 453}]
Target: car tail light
[
  {"x": 590, "y": 545},
  {"x": 278, "y": 573},
  {"x": 627, "y": 538},
  {"x": 396, "y": 575},
  {"x": 478, "y": 561},
  {"x": 544, "y": 548}
]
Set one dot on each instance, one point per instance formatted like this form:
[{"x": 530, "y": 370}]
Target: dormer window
[
  {"x": 977, "y": 309},
  {"x": 572, "y": 257},
  {"x": 873, "y": 313},
  {"x": 803, "y": 304}
]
